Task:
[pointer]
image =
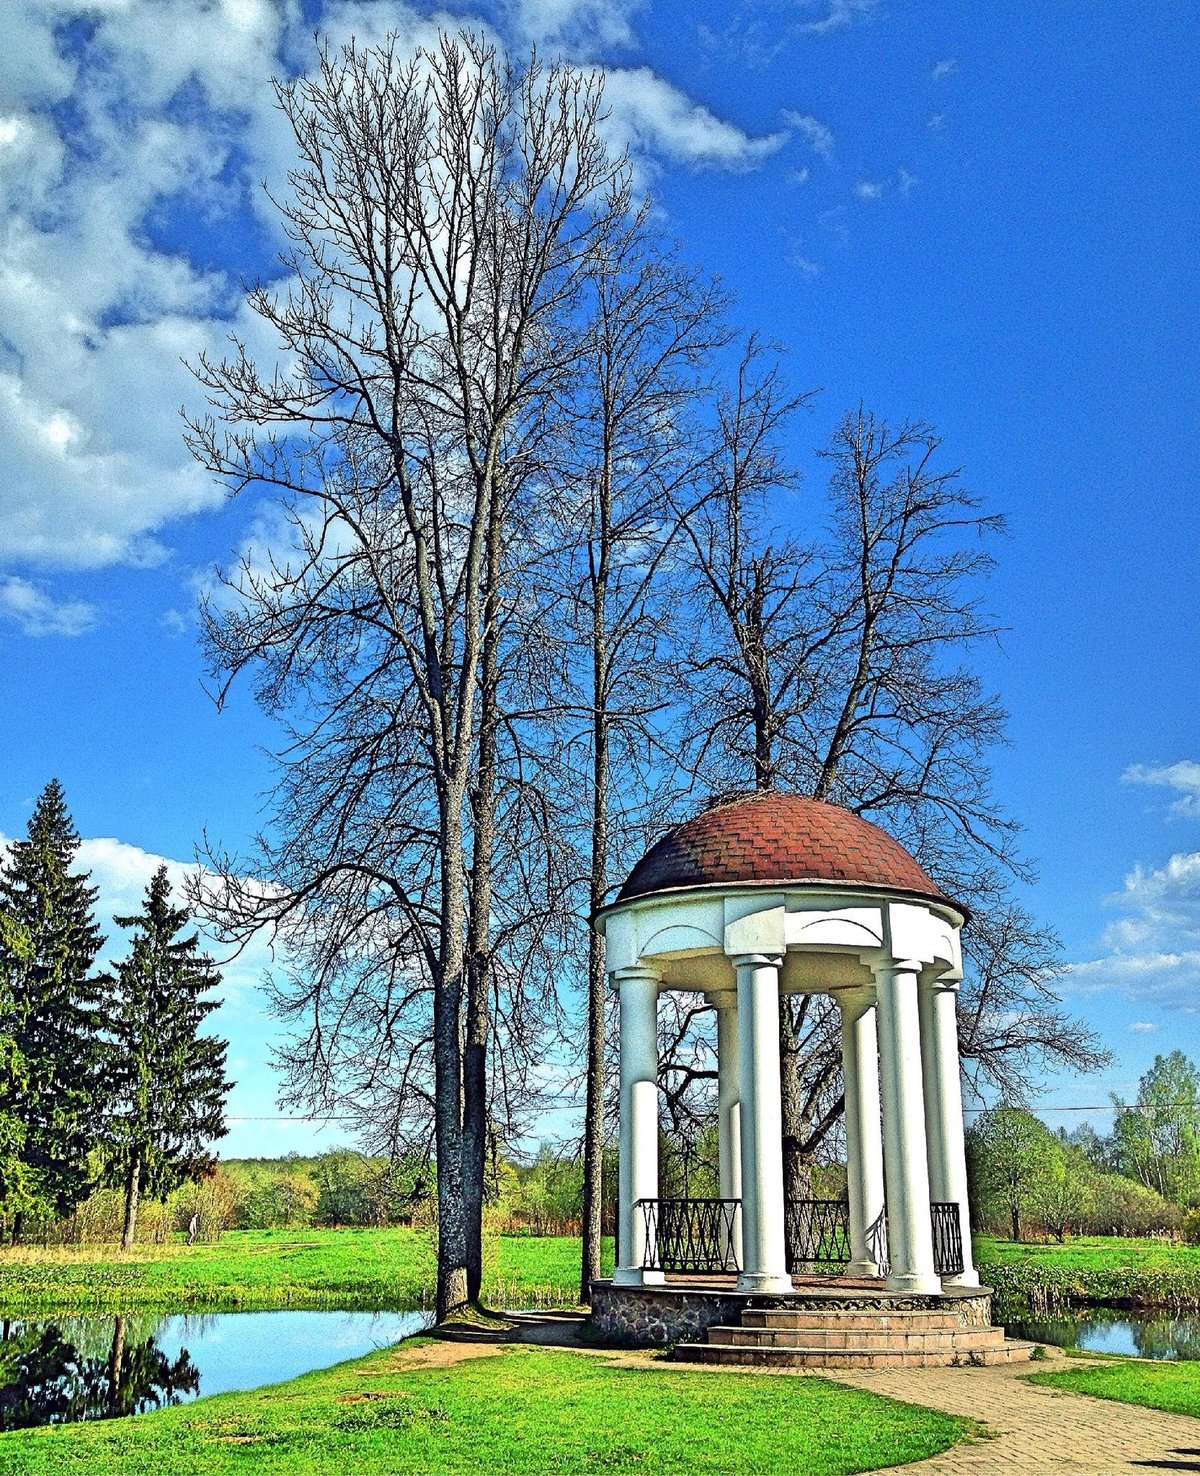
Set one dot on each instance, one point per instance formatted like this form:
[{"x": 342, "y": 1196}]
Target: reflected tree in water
[
  {"x": 1167, "y": 1337},
  {"x": 47, "y": 1379}
]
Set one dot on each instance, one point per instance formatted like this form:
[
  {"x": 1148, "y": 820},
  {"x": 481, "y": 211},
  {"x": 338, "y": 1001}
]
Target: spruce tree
[
  {"x": 167, "y": 1081},
  {"x": 47, "y": 951}
]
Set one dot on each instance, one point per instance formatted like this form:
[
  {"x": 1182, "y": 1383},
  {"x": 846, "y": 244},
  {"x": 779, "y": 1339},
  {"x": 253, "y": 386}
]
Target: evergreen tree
[
  {"x": 167, "y": 1081},
  {"x": 14, "y": 1174},
  {"x": 47, "y": 949}
]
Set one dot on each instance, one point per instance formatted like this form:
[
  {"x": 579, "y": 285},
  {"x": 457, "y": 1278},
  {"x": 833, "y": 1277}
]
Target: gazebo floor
[{"x": 823, "y": 1322}]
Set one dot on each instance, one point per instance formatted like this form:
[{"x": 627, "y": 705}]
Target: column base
[
  {"x": 968, "y": 1280},
  {"x": 637, "y": 1276},
  {"x": 763, "y": 1281},
  {"x": 863, "y": 1268},
  {"x": 920, "y": 1283}
]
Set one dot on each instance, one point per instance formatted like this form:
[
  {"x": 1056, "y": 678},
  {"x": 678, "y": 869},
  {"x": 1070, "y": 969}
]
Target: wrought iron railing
[
  {"x": 696, "y": 1235},
  {"x": 817, "y": 1232},
  {"x": 877, "y": 1243},
  {"x": 700, "y": 1235},
  {"x": 947, "y": 1239}
]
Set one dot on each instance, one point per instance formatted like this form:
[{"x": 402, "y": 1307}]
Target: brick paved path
[{"x": 1037, "y": 1429}]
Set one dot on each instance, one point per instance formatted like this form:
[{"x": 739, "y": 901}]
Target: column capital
[
  {"x": 855, "y": 1002},
  {"x": 636, "y": 971},
  {"x": 944, "y": 984},
  {"x": 759, "y": 960},
  {"x": 885, "y": 967}
]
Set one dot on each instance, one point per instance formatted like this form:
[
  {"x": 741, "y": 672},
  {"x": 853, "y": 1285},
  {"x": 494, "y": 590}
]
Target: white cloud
[
  {"x": 650, "y": 116},
  {"x": 172, "y": 117},
  {"x": 1142, "y": 1027},
  {"x": 906, "y": 182},
  {"x": 36, "y": 613},
  {"x": 1153, "y": 947},
  {"x": 838, "y": 13},
  {"x": 868, "y": 189},
  {"x": 818, "y": 137},
  {"x": 584, "y": 24},
  {"x": 1182, "y": 777},
  {"x": 944, "y": 68}
]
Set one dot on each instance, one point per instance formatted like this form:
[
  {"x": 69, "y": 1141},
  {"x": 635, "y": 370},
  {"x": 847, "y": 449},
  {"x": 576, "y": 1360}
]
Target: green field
[
  {"x": 528, "y": 1410},
  {"x": 1089, "y": 1253},
  {"x": 377, "y": 1269}
]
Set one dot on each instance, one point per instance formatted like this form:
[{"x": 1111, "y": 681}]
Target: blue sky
[{"x": 980, "y": 215}]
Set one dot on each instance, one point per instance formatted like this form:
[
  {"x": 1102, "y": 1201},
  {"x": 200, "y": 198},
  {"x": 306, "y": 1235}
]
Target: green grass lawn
[
  {"x": 527, "y": 1410},
  {"x": 1174, "y": 1387},
  {"x": 1089, "y": 1253},
  {"x": 377, "y": 1269}
]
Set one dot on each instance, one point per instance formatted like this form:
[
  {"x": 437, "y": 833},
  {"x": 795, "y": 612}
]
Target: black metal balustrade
[
  {"x": 698, "y": 1235},
  {"x": 877, "y": 1243},
  {"x": 817, "y": 1232},
  {"x": 947, "y": 1239},
  {"x": 695, "y": 1235}
]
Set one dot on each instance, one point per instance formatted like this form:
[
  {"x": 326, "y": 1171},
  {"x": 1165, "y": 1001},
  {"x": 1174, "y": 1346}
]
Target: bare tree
[
  {"x": 837, "y": 670},
  {"x": 443, "y": 216},
  {"x": 626, "y": 458}
]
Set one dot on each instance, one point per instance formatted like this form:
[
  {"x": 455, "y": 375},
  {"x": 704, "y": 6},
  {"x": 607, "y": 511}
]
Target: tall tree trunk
[
  {"x": 18, "y": 1227},
  {"x": 133, "y": 1189},
  {"x": 447, "y": 1056},
  {"x": 593, "y": 1114},
  {"x": 797, "y": 1164},
  {"x": 479, "y": 955},
  {"x": 593, "y": 1110},
  {"x": 1015, "y": 1212}
]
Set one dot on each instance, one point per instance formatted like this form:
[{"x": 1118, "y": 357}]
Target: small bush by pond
[{"x": 1038, "y": 1280}]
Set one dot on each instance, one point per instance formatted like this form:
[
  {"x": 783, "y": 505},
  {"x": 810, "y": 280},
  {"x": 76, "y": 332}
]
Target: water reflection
[
  {"x": 1158, "y": 1335},
  {"x": 49, "y": 1378},
  {"x": 94, "y": 1368}
]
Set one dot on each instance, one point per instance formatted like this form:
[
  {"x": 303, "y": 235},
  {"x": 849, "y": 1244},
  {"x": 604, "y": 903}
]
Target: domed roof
[{"x": 772, "y": 839}]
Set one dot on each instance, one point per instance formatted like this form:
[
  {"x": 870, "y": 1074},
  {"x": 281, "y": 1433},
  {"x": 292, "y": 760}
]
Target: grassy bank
[
  {"x": 528, "y": 1410},
  {"x": 1173, "y": 1387},
  {"x": 1097, "y": 1270},
  {"x": 259, "y": 1269}
]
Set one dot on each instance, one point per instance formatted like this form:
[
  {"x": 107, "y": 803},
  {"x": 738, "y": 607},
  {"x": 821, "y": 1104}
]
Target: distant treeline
[
  {"x": 330, "y": 1190},
  {"x": 1142, "y": 1178}
]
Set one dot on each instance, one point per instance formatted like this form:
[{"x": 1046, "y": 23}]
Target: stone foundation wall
[{"x": 658, "y": 1316}]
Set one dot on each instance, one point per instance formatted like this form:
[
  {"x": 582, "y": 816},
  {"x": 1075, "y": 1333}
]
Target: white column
[
  {"x": 943, "y": 1111},
  {"x": 864, "y": 1140},
  {"x": 729, "y": 1096},
  {"x": 910, "y": 1233},
  {"x": 764, "y": 1264},
  {"x": 638, "y": 1174}
]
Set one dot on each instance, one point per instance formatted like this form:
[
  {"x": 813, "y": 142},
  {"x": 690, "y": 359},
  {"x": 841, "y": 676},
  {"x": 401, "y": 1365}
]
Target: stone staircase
[{"x": 816, "y": 1337}]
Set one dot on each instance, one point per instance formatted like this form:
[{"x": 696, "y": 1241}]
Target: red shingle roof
[{"x": 771, "y": 839}]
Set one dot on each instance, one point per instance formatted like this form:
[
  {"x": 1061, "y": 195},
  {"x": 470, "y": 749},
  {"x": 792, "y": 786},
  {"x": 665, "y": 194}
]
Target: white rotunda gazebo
[{"x": 771, "y": 894}]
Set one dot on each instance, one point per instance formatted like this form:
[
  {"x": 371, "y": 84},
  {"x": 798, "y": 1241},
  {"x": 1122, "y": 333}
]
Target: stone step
[
  {"x": 768, "y": 1357},
  {"x": 907, "y": 1319},
  {"x": 869, "y": 1339}
]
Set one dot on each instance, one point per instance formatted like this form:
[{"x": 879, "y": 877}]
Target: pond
[
  {"x": 1135, "y": 1333},
  {"x": 53, "y": 1371}
]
